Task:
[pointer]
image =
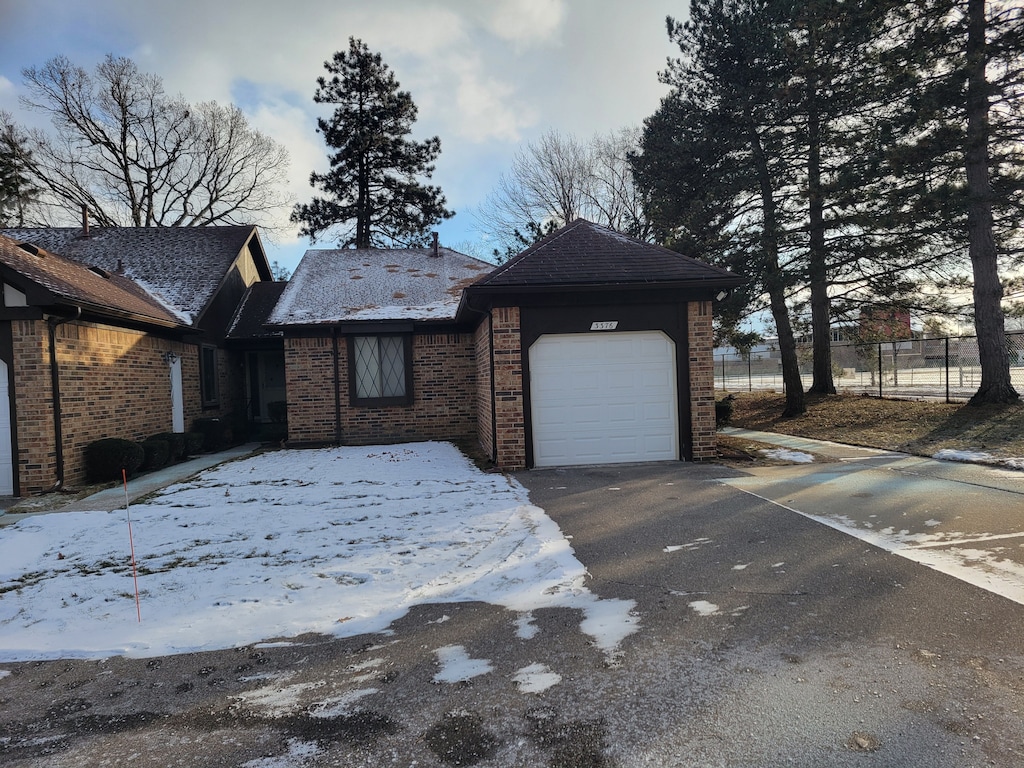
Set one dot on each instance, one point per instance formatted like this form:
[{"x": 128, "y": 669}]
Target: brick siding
[
  {"x": 702, "y": 381},
  {"x": 484, "y": 409},
  {"x": 510, "y": 418},
  {"x": 114, "y": 382},
  {"x": 444, "y": 393}
]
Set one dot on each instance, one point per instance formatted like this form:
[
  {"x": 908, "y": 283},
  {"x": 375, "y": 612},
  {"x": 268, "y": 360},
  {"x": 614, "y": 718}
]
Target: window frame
[
  {"x": 209, "y": 399},
  {"x": 380, "y": 402}
]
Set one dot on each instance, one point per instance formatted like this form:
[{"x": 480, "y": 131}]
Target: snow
[
  {"x": 978, "y": 457},
  {"x": 704, "y": 608},
  {"x": 339, "y": 541},
  {"x": 457, "y": 666},
  {"x": 783, "y": 454},
  {"x": 536, "y": 678}
]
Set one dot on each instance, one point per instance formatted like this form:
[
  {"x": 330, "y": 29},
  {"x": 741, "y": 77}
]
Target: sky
[
  {"x": 487, "y": 77},
  {"x": 369, "y": 532}
]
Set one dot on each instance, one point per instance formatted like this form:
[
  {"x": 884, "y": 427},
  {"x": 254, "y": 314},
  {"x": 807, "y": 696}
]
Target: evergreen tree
[
  {"x": 724, "y": 128},
  {"x": 953, "y": 148},
  {"x": 372, "y": 196},
  {"x": 17, "y": 192}
]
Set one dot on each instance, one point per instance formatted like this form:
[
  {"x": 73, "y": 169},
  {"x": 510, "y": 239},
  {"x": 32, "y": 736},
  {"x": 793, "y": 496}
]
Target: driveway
[{"x": 764, "y": 638}]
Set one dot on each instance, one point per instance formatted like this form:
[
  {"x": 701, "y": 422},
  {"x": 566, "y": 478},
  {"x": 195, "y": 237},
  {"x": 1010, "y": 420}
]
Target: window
[
  {"x": 380, "y": 370},
  {"x": 208, "y": 375}
]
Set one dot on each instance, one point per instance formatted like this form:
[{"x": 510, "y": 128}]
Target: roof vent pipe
[
  {"x": 85, "y": 220},
  {"x": 435, "y": 245}
]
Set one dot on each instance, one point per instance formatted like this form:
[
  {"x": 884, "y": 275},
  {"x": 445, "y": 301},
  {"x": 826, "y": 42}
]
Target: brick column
[
  {"x": 702, "y": 380},
  {"x": 510, "y": 420}
]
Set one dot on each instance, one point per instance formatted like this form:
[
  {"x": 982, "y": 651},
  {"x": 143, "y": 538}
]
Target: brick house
[
  {"x": 114, "y": 333},
  {"x": 589, "y": 347}
]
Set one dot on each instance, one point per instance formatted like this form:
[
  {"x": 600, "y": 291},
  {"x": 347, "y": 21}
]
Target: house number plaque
[{"x": 604, "y": 325}]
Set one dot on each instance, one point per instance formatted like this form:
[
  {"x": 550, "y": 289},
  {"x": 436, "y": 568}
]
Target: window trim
[
  {"x": 380, "y": 402},
  {"x": 210, "y": 400}
]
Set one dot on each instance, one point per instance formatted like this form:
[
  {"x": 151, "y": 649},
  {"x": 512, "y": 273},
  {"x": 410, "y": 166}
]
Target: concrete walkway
[
  {"x": 114, "y": 497},
  {"x": 965, "y": 520}
]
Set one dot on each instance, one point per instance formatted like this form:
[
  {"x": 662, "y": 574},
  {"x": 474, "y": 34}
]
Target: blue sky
[{"x": 488, "y": 77}]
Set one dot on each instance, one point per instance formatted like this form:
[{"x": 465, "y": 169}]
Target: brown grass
[{"x": 912, "y": 426}]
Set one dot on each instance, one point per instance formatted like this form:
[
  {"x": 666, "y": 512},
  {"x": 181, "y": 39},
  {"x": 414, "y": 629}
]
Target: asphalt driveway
[{"x": 765, "y": 638}]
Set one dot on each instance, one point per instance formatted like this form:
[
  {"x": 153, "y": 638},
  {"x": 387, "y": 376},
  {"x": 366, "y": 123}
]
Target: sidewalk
[
  {"x": 114, "y": 497},
  {"x": 963, "y": 519}
]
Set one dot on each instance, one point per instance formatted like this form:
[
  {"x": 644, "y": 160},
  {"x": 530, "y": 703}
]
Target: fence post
[
  {"x": 879, "y": 370},
  {"x": 947, "y": 369}
]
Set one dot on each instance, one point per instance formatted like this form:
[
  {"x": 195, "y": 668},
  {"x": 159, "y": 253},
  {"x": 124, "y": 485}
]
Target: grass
[{"x": 911, "y": 426}]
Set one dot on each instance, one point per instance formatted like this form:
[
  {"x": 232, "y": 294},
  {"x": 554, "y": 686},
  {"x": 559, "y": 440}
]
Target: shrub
[
  {"x": 175, "y": 441},
  {"x": 215, "y": 433},
  {"x": 723, "y": 410},
  {"x": 278, "y": 411},
  {"x": 193, "y": 443},
  {"x": 105, "y": 458},
  {"x": 158, "y": 453}
]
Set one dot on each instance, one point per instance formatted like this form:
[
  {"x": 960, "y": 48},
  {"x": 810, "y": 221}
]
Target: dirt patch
[{"x": 911, "y": 426}]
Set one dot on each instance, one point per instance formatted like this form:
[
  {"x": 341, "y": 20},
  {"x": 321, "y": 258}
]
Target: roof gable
[
  {"x": 346, "y": 285},
  {"x": 586, "y": 254},
  {"x": 66, "y": 281},
  {"x": 183, "y": 267}
]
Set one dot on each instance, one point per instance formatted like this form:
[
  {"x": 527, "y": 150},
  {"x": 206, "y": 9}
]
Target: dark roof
[
  {"x": 181, "y": 266},
  {"x": 376, "y": 284},
  {"x": 67, "y": 282},
  {"x": 585, "y": 254},
  {"x": 254, "y": 310}
]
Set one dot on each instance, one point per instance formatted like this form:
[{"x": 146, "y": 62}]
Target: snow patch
[
  {"x": 457, "y": 667},
  {"x": 704, "y": 608},
  {"x": 536, "y": 678},
  {"x": 784, "y": 454}
]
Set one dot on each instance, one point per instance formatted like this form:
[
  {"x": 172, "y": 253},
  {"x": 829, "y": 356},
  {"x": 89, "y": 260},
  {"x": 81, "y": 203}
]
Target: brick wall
[
  {"x": 484, "y": 410},
  {"x": 113, "y": 383},
  {"x": 510, "y": 440},
  {"x": 702, "y": 381},
  {"x": 444, "y": 393}
]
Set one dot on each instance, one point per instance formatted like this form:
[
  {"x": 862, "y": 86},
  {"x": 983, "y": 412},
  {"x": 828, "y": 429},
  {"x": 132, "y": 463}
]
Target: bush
[
  {"x": 193, "y": 443},
  {"x": 216, "y": 434},
  {"x": 105, "y": 458},
  {"x": 278, "y": 411},
  {"x": 158, "y": 453},
  {"x": 175, "y": 441},
  {"x": 723, "y": 411}
]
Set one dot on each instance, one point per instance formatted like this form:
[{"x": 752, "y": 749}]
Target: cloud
[{"x": 527, "y": 22}]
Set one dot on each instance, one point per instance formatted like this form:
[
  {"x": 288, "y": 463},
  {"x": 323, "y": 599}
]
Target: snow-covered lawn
[{"x": 339, "y": 541}]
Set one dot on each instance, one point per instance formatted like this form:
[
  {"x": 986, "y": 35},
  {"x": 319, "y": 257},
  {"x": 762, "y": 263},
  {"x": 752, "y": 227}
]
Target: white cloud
[{"x": 525, "y": 22}]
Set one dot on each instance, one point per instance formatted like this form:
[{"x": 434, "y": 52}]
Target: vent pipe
[{"x": 85, "y": 220}]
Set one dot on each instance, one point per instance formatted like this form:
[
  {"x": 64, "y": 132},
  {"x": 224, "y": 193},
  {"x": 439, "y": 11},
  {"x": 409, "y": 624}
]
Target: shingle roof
[
  {"x": 331, "y": 286},
  {"x": 583, "y": 253},
  {"x": 180, "y": 266},
  {"x": 254, "y": 310},
  {"x": 75, "y": 284}
]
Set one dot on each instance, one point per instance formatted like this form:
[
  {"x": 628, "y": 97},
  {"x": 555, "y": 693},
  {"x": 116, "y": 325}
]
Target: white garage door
[{"x": 603, "y": 398}]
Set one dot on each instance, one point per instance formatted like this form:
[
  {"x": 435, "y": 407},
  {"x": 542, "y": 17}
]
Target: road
[{"x": 765, "y": 638}]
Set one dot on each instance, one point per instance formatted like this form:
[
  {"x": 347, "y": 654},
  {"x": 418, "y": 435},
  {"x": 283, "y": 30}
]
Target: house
[
  {"x": 115, "y": 332},
  {"x": 589, "y": 347}
]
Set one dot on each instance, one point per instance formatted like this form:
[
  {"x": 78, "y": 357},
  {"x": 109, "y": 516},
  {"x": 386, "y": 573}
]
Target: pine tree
[
  {"x": 957, "y": 70},
  {"x": 372, "y": 196},
  {"x": 17, "y": 191},
  {"x": 717, "y": 152}
]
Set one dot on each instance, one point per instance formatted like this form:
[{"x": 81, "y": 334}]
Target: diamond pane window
[{"x": 379, "y": 368}]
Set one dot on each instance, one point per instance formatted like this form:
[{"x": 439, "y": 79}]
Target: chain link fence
[{"x": 941, "y": 369}]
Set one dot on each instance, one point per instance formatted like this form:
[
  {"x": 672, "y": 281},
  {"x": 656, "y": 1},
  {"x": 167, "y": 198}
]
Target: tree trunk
[
  {"x": 996, "y": 385},
  {"x": 774, "y": 281},
  {"x": 821, "y": 332}
]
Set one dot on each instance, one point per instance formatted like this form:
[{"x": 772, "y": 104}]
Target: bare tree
[
  {"x": 558, "y": 179},
  {"x": 138, "y": 157}
]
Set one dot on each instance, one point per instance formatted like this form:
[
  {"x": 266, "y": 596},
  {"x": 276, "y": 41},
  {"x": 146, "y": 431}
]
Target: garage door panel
[{"x": 603, "y": 398}]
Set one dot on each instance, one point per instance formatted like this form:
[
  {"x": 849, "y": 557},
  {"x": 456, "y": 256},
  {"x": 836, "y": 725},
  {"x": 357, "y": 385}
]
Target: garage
[{"x": 603, "y": 398}]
